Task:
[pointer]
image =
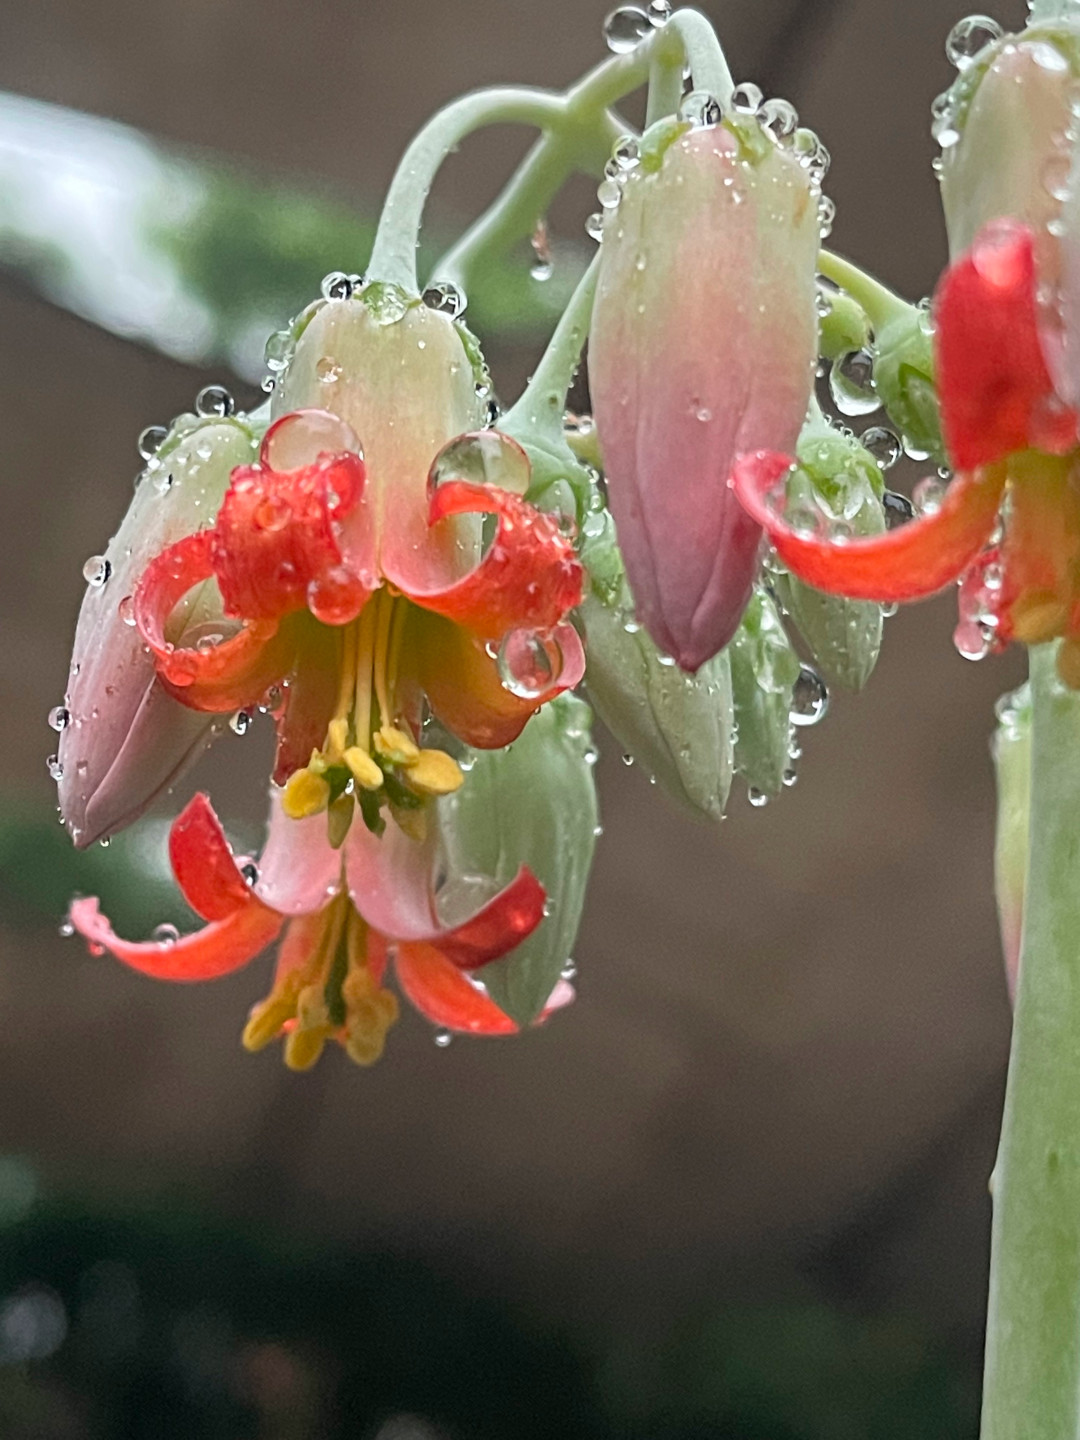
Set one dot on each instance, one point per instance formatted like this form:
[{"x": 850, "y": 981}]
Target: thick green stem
[
  {"x": 538, "y": 414},
  {"x": 880, "y": 303},
  {"x": 393, "y": 257},
  {"x": 1032, "y": 1382}
]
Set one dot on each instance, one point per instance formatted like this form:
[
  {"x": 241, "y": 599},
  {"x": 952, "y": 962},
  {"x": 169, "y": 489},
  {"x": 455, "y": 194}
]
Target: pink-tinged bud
[
  {"x": 124, "y": 739},
  {"x": 703, "y": 347},
  {"x": 1010, "y": 153}
]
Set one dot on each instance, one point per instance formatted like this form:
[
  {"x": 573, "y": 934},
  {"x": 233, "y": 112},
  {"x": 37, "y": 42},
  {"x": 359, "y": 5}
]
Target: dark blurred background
[{"x": 739, "y": 1189}]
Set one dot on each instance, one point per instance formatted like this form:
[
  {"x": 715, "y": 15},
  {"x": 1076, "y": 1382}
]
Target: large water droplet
[
  {"x": 757, "y": 798},
  {"x": 485, "y": 457},
  {"x": 809, "y": 698},
  {"x": 625, "y": 28},
  {"x": 969, "y": 38},
  {"x": 96, "y": 571},
  {"x": 851, "y": 383},
  {"x": 594, "y": 227},
  {"x": 529, "y": 663},
  {"x": 609, "y": 194},
  {"x": 928, "y": 495},
  {"x": 214, "y": 400},
  {"x": 447, "y": 298}
]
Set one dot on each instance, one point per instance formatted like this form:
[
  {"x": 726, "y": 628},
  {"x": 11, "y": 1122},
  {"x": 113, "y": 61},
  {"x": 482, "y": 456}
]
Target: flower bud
[
  {"x": 838, "y": 484},
  {"x": 1011, "y": 747},
  {"x": 532, "y": 804},
  {"x": 904, "y": 380},
  {"x": 678, "y": 727},
  {"x": 703, "y": 346},
  {"x": 125, "y": 739},
  {"x": 764, "y": 668}
]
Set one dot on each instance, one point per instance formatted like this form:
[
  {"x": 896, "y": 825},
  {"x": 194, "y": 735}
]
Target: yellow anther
[
  {"x": 317, "y": 763},
  {"x": 435, "y": 773},
  {"x": 303, "y": 1048},
  {"x": 305, "y": 794},
  {"x": 337, "y": 738},
  {"x": 266, "y": 1019},
  {"x": 364, "y": 769},
  {"x": 311, "y": 1011},
  {"x": 365, "y": 1029},
  {"x": 397, "y": 747}
]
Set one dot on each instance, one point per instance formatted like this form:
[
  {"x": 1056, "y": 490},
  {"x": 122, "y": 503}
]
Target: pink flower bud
[
  {"x": 703, "y": 347},
  {"x": 124, "y": 738}
]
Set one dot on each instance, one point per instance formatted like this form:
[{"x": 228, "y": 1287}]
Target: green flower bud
[
  {"x": 764, "y": 668},
  {"x": 533, "y": 803},
  {"x": 904, "y": 378},
  {"x": 844, "y": 327},
  {"x": 838, "y": 476}
]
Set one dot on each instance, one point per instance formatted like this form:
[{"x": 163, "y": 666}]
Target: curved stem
[
  {"x": 1032, "y": 1382},
  {"x": 539, "y": 412},
  {"x": 704, "y": 54},
  {"x": 393, "y": 256},
  {"x": 879, "y": 302}
]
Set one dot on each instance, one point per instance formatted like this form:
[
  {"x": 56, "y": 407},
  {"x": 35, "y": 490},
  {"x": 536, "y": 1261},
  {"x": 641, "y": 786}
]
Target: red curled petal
[
  {"x": 461, "y": 680},
  {"x": 203, "y": 864},
  {"x": 390, "y": 882},
  {"x": 906, "y": 564},
  {"x": 224, "y": 676},
  {"x": 993, "y": 379},
  {"x": 529, "y": 577},
  {"x": 218, "y": 949},
  {"x": 277, "y": 534},
  {"x": 440, "y": 991}
]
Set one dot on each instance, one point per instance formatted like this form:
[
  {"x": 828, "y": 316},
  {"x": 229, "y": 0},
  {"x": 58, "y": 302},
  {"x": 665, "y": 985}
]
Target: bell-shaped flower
[
  {"x": 124, "y": 738},
  {"x": 355, "y": 584},
  {"x": 346, "y": 916},
  {"x": 703, "y": 346}
]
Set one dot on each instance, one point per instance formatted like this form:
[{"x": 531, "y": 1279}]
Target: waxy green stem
[
  {"x": 538, "y": 414},
  {"x": 1032, "y": 1381},
  {"x": 882, "y": 306},
  {"x": 578, "y": 133}
]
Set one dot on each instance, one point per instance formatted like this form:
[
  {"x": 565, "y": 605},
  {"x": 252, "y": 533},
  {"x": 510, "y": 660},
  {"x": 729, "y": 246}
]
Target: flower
[
  {"x": 345, "y": 915},
  {"x": 703, "y": 346},
  {"x": 353, "y": 586}
]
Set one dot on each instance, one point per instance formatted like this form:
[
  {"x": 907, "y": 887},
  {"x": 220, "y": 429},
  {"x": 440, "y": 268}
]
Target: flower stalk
[{"x": 1032, "y": 1378}]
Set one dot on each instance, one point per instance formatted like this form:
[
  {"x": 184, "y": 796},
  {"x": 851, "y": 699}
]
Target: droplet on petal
[
  {"x": 337, "y": 596},
  {"x": 483, "y": 457},
  {"x": 530, "y": 662}
]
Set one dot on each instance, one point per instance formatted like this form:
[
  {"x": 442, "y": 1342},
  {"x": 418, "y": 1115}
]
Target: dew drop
[
  {"x": 659, "y": 12},
  {"x": 898, "y": 509},
  {"x": 59, "y": 718},
  {"x": 165, "y": 934},
  {"x": 701, "y": 109},
  {"x": 568, "y": 971},
  {"x": 67, "y": 929},
  {"x": 249, "y": 871},
  {"x": 543, "y": 263},
  {"x": 627, "y": 153},
  {"x": 826, "y": 215},
  {"x": 780, "y": 118},
  {"x": 627, "y": 758},
  {"x": 96, "y": 571},
  {"x": 214, "y": 400},
  {"x": 126, "y": 610},
  {"x": 529, "y": 663},
  {"x": 594, "y": 227},
  {"x": 625, "y": 28},
  {"x": 791, "y": 777},
  {"x": 851, "y": 383},
  {"x": 150, "y": 441},
  {"x": 55, "y": 769},
  {"x": 241, "y": 722},
  {"x": 809, "y": 698},
  {"x": 327, "y": 370},
  {"x": 969, "y": 38},
  {"x": 446, "y": 298},
  {"x": 757, "y": 798},
  {"x": 609, "y": 194},
  {"x": 883, "y": 445},
  {"x": 280, "y": 349},
  {"x": 442, "y": 1038},
  {"x": 747, "y": 99},
  {"x": 928, "y": 495},
  {"x": 337, "y": 286}
]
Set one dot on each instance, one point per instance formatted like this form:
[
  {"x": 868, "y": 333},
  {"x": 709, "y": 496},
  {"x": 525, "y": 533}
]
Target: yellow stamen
[
  {"x": 397, "y": 639},
  {"x": 362, "y": 694},
  {"x": 350, "y": 646},
  {"x": 382, "y": 645},
  {"x": 434, "y": 773},
  {"x": 303, "y": 1048},
  {"x": 337, "y": 738},
  {"x": 266, "y": 1019},
  {"x": 370, "y": 1011},
  {"x": 305, "y": 794},
  {"x": 364, "y": 769},
  {"x": 396, "y": 746}
]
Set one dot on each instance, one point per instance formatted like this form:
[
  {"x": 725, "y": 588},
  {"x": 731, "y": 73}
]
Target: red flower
[
  {"x": 334, "y": 591},
  {"x": 1013, "y": 440},
  {"x": 344, "y": 916}
]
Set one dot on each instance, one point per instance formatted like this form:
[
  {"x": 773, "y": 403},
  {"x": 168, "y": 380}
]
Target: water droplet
[
  {"x": 55, "y": 769},
  {"x": 126, "y": 610},
  {"x": 969, "y": 38},
  {"x": 249, "y": 871},
  {"x": 241, "y": 722},
  {"x": 529, "y": 663},
  {"x": 336, "y": 596},
  {"x": 165, "y": 934},
  {"x": 214, "y": 400},
  {"x": 568, "y": 971},
  {"x": 791, "y": 777},
  {"x": 928, "y": 495},
  {"x": 327, "y": 370},
  {"x": 659, "y": 12},
  {"x": 442, "y": 1038},
  {"x": 625, "y": 28},
  {"x": 594, "y": 227},
  {"x": 809, "y": 698},
  {"x": 609, "y": 194},
  {"x": 826, "y": 215},
  {"x": 280, "y": 349},
  {"x": 627, "y": 758},
  {"x": 336, "y": 286},
  {"x": 898, "y": 509},
  {"x": 701, "y": 109},
  {"x": 747, "y": 99},
  {"x": 67, "y": 929},
  {"x": 59, "y": 718},
  {"x": 446, "y": 298},
  {"x": 485, "y": 457},
  {"x": 149, "y": 442},
  {"x": 780, "y": 118},
  {"x": 757, "y": 798},
  {"x": 96, "y": 571},
  {"x": 627, "y": 153},
  {"x": 543, "y": 262},
  {"x": 883, "y": 445},
  {"x": 105, "y": 841},
  {"x": 851, "y": 383}
]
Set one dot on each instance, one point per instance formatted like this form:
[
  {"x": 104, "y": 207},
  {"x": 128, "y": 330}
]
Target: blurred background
[{"x": 740, "y": 1188}]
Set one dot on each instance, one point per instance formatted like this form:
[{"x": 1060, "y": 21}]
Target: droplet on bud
[
  {"x": 747, "y": 99},
  {"x": 701, "y": 109},
  {"x": 149, "y": 442},
  {"x": 625, "y": 28},
  {"x": 336, "y": 286},
  {"x": 851, "y": 383},
  {"x": 59, "y": 718},
  {"x": 446, "y": 298},
  {"x": 969, "y": 38},
  {"x": 96, "y": 571},
  {"x": 898, "y": 509},
  {"x": 780, "y": 118},
  {"x": 214, "y": 400},
  {"x": 809, "y": 697}
]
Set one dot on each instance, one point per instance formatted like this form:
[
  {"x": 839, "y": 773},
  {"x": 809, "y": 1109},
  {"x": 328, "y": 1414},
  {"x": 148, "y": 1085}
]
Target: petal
[
  {"x": 390, "y": 880},
  {"x": 529, "y": 577},
  {"x": 994, "y": 383},
  {"x": 298, "y": 869},
  {"x": 906, "y": 564},
  {"x": 440, "y": 991},
  {"x": 203, "y": 863},
  {"x": 218, "y": 949},
  {"x": 226, "y": 674},
  {"x": 461, "y": 680}
]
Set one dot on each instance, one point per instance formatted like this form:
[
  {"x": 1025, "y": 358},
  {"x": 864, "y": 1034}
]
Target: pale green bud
[{"x": 764, "y": 668}]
